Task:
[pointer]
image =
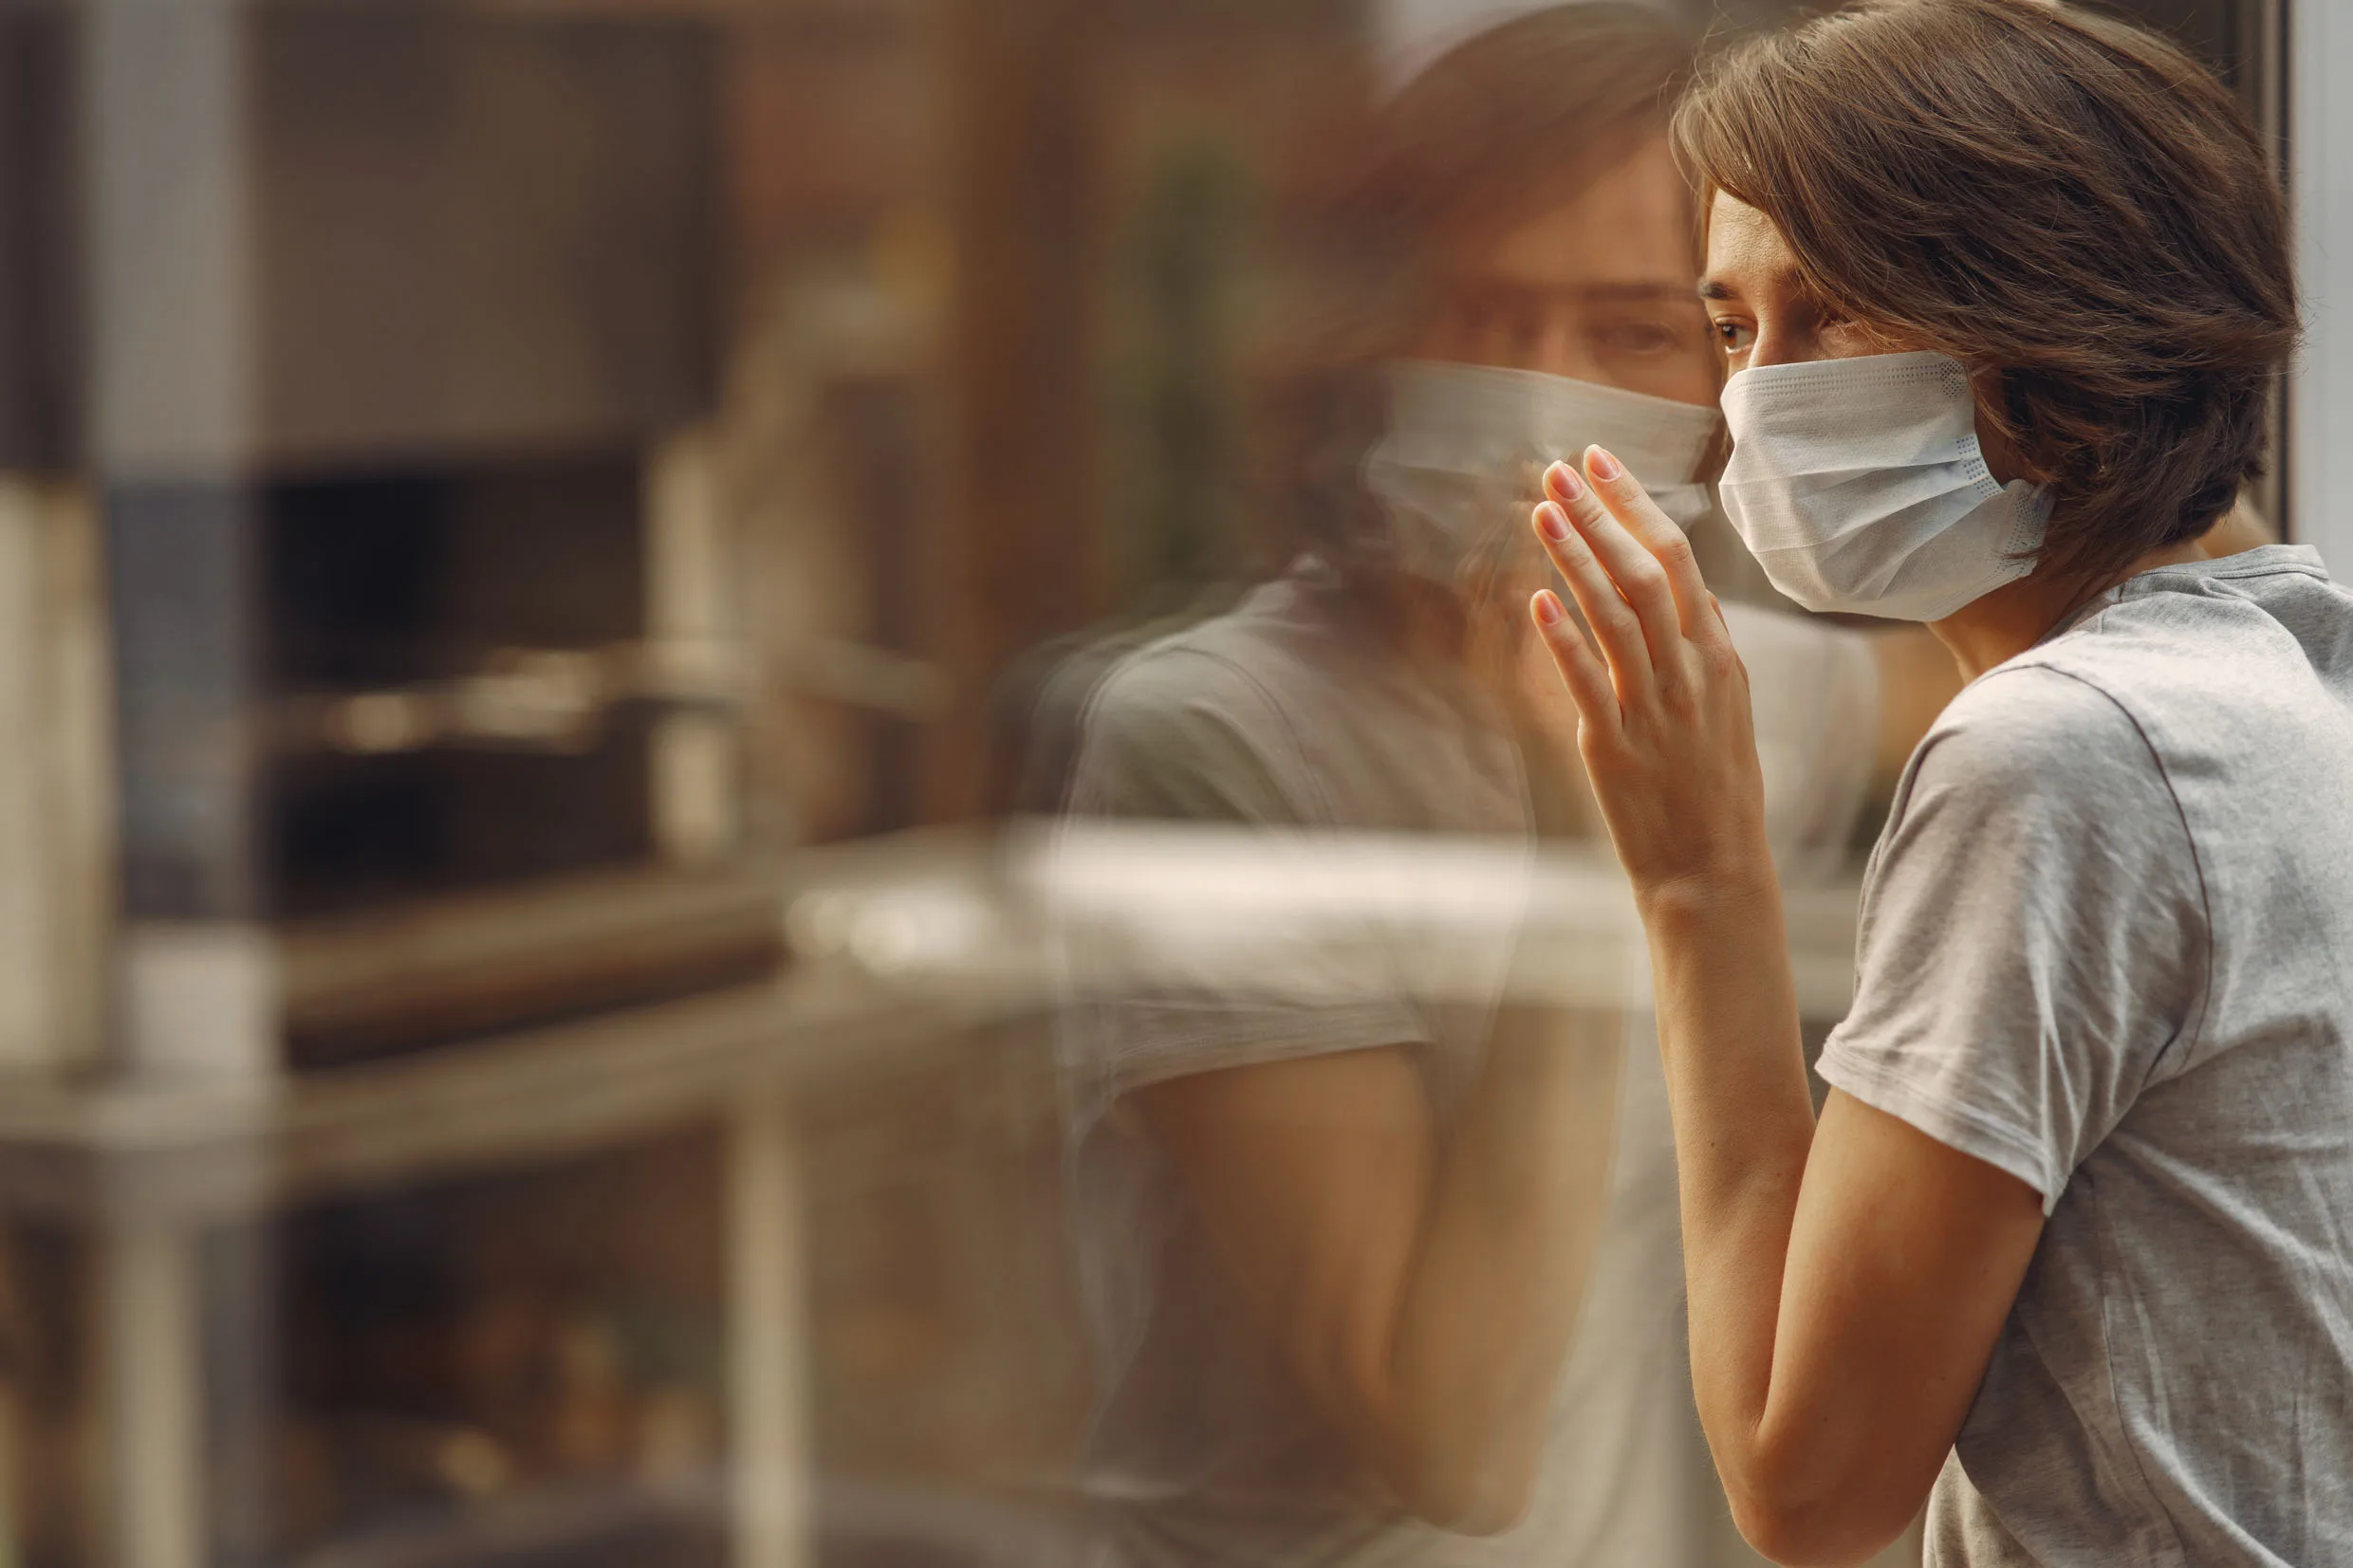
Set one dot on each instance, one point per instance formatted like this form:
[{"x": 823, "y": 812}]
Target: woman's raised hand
[{"x": 1662, "y": 704}]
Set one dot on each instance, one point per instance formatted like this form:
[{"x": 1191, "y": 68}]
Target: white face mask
[
  {"x": 1858, "y": 485},
  {"x": 1467, "y": 446}
]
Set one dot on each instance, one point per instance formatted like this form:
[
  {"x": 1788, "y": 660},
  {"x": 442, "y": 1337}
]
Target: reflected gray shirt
[
  {"x": 1288, "y": 714},
  {"x": 2108, "y": 947}
]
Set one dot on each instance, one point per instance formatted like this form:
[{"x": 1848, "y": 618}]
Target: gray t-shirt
[
  {"x": 2108, "y": 947},
  {"x": 1290, "y": 715}
]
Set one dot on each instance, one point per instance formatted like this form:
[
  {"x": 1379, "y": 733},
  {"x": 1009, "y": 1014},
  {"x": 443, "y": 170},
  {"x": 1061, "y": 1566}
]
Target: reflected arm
[{"x": 1422, "y": 1293}]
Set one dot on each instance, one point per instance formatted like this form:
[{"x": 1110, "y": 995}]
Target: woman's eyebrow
[{"x": 1784, "y": 283}]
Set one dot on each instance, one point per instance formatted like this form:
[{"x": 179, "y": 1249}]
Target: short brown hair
[
  {"x": 1517, "y": 118},
  {"x": 2066, "y": 203}
]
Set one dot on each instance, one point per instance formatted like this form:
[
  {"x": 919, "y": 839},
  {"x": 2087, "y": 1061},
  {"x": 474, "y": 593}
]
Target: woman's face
[
  {"x": 1597, "y": 289},
  {"x": 1760, "y": 312}
]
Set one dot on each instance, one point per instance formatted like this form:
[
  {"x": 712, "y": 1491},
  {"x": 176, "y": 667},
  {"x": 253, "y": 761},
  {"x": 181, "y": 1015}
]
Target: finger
[
  {"x": 1615, "y": 624},
  {"x": 1636, "y": 571},
  {"x": 1631, "y": 507},
  {"x": 1582, "y": 669}
]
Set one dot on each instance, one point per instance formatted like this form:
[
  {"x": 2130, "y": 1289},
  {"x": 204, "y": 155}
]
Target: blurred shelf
[
  {"x": 906, "y": 946},
  {"x": 447, "y": 968},
  {"x": 196, "y": 1148}
]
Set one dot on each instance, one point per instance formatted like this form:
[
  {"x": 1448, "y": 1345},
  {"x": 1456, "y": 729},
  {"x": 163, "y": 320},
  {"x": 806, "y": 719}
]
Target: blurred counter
[{"x": 899, "y": 943}]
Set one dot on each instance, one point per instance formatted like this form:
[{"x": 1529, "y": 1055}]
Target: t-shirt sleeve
[
  {"x": 2033, "y": 930},
  {"x": 1176, "y": 735},
  {"x": 1172, "y": 734}
]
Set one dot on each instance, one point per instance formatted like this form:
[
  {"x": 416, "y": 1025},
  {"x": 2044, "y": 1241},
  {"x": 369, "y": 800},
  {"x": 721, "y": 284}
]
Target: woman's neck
[{"x": 2016, "y": 616}]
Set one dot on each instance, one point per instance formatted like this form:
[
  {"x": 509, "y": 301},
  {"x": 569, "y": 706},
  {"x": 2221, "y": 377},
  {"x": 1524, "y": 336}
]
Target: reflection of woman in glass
[
  {"x": 2005, "y": 287},
  {"x": 1335, "y": 1248}
]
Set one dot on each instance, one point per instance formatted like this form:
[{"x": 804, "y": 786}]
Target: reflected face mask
[
  {"x": 1467, "y": 446},
  {"x": 1858, "y": 485}
]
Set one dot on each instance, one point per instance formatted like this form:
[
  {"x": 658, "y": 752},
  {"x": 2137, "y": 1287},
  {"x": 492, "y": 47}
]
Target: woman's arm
[
  {"x": 1423, "y": 1297},
  {"x": 1846, "y": 1281}
]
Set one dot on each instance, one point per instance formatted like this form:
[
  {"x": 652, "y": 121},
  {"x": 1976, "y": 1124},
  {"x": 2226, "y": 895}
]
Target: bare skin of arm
[
  {"x": 1422, "y": 1295},
  {"x": 1846, "y": 1281}
]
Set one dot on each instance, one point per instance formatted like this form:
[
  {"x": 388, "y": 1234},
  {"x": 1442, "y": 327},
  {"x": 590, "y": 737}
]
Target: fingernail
[
  {"x": 1548, "y": 606},
  {"x": 1605, "y": 466},
  {"x": 1564, "y": 480},
  {"x": 1552, "y": 521}
]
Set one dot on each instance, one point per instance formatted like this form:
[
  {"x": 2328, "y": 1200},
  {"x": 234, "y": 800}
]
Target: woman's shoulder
[
  {"x": 1223, "y": 672},
  {"x": 2031, "y": 746},
  {"x": 1282, "y": 657},
  {"x": 1206, "y": 720},
  {"x": 2029, "y": 716}
]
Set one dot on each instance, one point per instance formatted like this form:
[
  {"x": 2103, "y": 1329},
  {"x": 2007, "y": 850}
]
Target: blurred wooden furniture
[{"x": 905, "y": 944}]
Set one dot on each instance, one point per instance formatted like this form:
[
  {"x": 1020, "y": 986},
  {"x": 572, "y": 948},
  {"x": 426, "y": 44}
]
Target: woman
[
  {"x": 1380, "y": 1278},
  {"x": 2003, "y": 286}
]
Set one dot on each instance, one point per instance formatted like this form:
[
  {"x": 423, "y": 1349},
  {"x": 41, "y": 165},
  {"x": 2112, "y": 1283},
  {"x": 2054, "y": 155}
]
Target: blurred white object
[
  {"x": 200, "y": 999},
  {"x": 56, "y": 802},
  {"x": 1315, "y": 917}
]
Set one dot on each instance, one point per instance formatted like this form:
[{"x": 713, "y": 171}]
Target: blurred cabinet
[
  {"x": 402, "y": 323},
  {"x": 478, "y": 231},
  {"x": 372, "y": 233}
]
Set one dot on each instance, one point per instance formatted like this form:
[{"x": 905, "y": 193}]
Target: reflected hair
[
  {"x": 2065, "y": 202},
  {"x": 1508, "y": 122}
]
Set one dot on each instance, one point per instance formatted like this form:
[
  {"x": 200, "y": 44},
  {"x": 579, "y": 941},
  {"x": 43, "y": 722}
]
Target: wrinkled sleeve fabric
[{"x": 2033, "y": 941}]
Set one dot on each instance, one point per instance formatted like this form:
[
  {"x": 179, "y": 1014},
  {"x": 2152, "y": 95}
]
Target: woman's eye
[{"x": 1733, "y": 336}]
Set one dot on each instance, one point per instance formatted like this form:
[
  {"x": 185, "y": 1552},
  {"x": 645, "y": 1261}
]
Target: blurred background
[{"x": 528, "y": 531}]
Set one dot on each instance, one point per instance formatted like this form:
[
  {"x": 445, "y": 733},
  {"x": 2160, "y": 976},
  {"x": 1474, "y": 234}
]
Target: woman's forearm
[{"x": 1728, "y": 1030}]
